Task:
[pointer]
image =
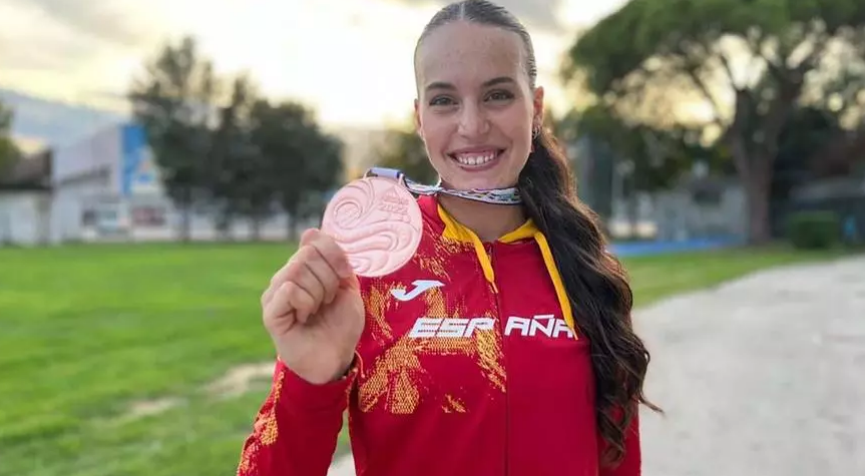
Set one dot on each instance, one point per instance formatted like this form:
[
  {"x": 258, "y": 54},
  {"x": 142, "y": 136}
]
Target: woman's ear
[{"x": 538, "y": 105}]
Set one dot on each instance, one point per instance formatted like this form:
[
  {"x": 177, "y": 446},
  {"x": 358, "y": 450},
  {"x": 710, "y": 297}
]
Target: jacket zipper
[{"x": 498, "y": 304}]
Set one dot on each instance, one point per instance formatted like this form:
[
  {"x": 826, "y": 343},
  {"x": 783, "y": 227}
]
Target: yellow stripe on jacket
[{"x": 457, "y": 232}]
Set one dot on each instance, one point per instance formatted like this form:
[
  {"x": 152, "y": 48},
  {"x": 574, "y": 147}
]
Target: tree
[
  {"x": 404, "y": 150},
  {"x": 749, "y": 61},
  {"x": 841, "y": 95},
  {"x": 645, "y": 158},
  {"x": 323, "y": 173},
  {"x": 238, "y": 181},
  {"x": 808, "y": 131},
  {"x": 300, "y": 162},
  {"x": 175, "y": 103},
  {"x": 9, "y": 152}
]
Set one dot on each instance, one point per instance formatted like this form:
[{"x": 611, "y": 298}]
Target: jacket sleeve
[
  {"x": 631, "y": 464},
  {"x": 295, "y": 432}
]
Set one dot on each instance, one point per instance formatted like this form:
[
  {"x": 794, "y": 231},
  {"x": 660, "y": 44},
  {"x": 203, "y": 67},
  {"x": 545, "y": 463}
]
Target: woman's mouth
[{"x": 477, "y": 160}]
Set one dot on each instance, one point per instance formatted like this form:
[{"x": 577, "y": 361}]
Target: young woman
[{"x": 505, "y": 346}]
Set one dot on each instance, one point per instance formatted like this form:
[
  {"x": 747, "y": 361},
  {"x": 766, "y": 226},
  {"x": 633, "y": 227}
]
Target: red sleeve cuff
[{"x": 298, "y": 395}]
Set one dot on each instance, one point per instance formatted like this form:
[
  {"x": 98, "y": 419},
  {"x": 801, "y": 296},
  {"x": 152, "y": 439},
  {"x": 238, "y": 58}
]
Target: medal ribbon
[{"x": 498, "y": 196}]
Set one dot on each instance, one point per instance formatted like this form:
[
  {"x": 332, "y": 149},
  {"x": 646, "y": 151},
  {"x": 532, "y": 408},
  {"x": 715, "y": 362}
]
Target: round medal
[{"x": 377, "y": 223}]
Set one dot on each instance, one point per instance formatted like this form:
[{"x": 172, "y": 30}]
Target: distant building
[
  {"x": 25, "y": 201},
  {"x": 105, "y": 187}
]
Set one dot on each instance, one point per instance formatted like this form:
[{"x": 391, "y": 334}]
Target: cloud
[
  {"x": 77, "y": 46},
  {"x": 120, "y": 22},
  {"x": 541, "y": 14},
  {"x": 53, "y": 47},
  {"x": 45, "y": 50},
  {"x": 349, "y": 59},
  {"x": 18, "y": 60}
]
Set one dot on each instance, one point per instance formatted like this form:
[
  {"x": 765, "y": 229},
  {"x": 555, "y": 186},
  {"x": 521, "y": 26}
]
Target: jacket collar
[{"x": 447, "y": 228}]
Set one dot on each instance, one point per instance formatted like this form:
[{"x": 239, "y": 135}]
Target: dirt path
[{"x": 763, "y": 376}]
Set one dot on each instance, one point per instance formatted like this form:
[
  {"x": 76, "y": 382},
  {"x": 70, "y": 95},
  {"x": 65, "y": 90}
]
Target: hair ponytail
[{"x": 596, "y": 284}]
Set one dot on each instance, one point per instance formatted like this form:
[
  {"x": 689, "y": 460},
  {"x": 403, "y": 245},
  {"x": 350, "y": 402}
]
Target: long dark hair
[{"x": 595, "y": 280}]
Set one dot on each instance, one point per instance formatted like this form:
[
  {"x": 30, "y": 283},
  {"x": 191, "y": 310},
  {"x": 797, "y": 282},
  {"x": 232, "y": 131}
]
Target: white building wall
[
  {"x": 74, "y": 197},
  {"x": 25, "y": 217},
  {"x": 92, "y": 155},
  {"x": 106, "y": 188}
]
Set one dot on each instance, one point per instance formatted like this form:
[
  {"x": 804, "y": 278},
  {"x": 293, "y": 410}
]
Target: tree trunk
[
  {"x": 754, "y": 160},
  {"x": 256, "y": 228},
  {"x": 185, "y": 224},
  {"x": 292, "y": 229},
  {"x": 224, "y": 222},
  {"x": 184, "y": 204},
  {"x": 759, "y": 229},
  {"x": 757, "y": 194},
  {"x": 291, "y": 225},
  {"x": 634, "y": 215}
]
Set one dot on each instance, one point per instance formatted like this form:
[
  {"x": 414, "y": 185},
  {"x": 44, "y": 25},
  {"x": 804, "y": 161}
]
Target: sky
[{"x": 349, "y": 60}]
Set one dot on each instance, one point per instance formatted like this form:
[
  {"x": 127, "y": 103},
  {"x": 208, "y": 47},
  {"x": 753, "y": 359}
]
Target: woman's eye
[
  {"x": 441, "y": 101},
  {"x": 500, "y": 96}
]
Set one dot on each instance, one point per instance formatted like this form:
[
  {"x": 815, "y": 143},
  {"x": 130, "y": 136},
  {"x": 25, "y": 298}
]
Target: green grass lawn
[{"x": 86, "y": 331}]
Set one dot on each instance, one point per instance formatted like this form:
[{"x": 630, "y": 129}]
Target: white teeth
[{"x": 475, "y": 159}]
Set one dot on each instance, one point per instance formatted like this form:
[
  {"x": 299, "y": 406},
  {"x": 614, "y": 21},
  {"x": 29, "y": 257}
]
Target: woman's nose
[{"x": 473, "y": 122}]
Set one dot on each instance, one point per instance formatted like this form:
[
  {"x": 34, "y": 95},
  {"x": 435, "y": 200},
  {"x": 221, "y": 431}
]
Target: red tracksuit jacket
[{"x": 468, "y": 365}]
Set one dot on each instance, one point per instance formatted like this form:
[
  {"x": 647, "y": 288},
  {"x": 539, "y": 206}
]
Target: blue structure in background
[
  {"x": 136, "y": 171},
  {"x": 648, "y": 248}
]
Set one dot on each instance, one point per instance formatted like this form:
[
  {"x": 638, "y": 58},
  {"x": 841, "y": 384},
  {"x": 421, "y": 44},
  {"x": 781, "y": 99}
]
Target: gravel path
[{"x": 763, "y": 376}]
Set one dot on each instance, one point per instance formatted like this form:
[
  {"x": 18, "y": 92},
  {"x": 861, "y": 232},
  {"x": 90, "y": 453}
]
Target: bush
[{"x": 814, "y": 230}]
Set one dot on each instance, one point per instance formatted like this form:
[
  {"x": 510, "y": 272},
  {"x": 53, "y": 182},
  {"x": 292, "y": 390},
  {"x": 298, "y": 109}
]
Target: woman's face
[{"x": 475, "y": 109}]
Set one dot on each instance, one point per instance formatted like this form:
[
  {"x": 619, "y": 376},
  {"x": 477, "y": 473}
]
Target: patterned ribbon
[{"x": 499, "y": 196}]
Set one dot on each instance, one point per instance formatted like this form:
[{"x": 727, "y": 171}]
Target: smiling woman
[
  {"x": 476, "y": 89},
  {"x": 509, "y": 330}
]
